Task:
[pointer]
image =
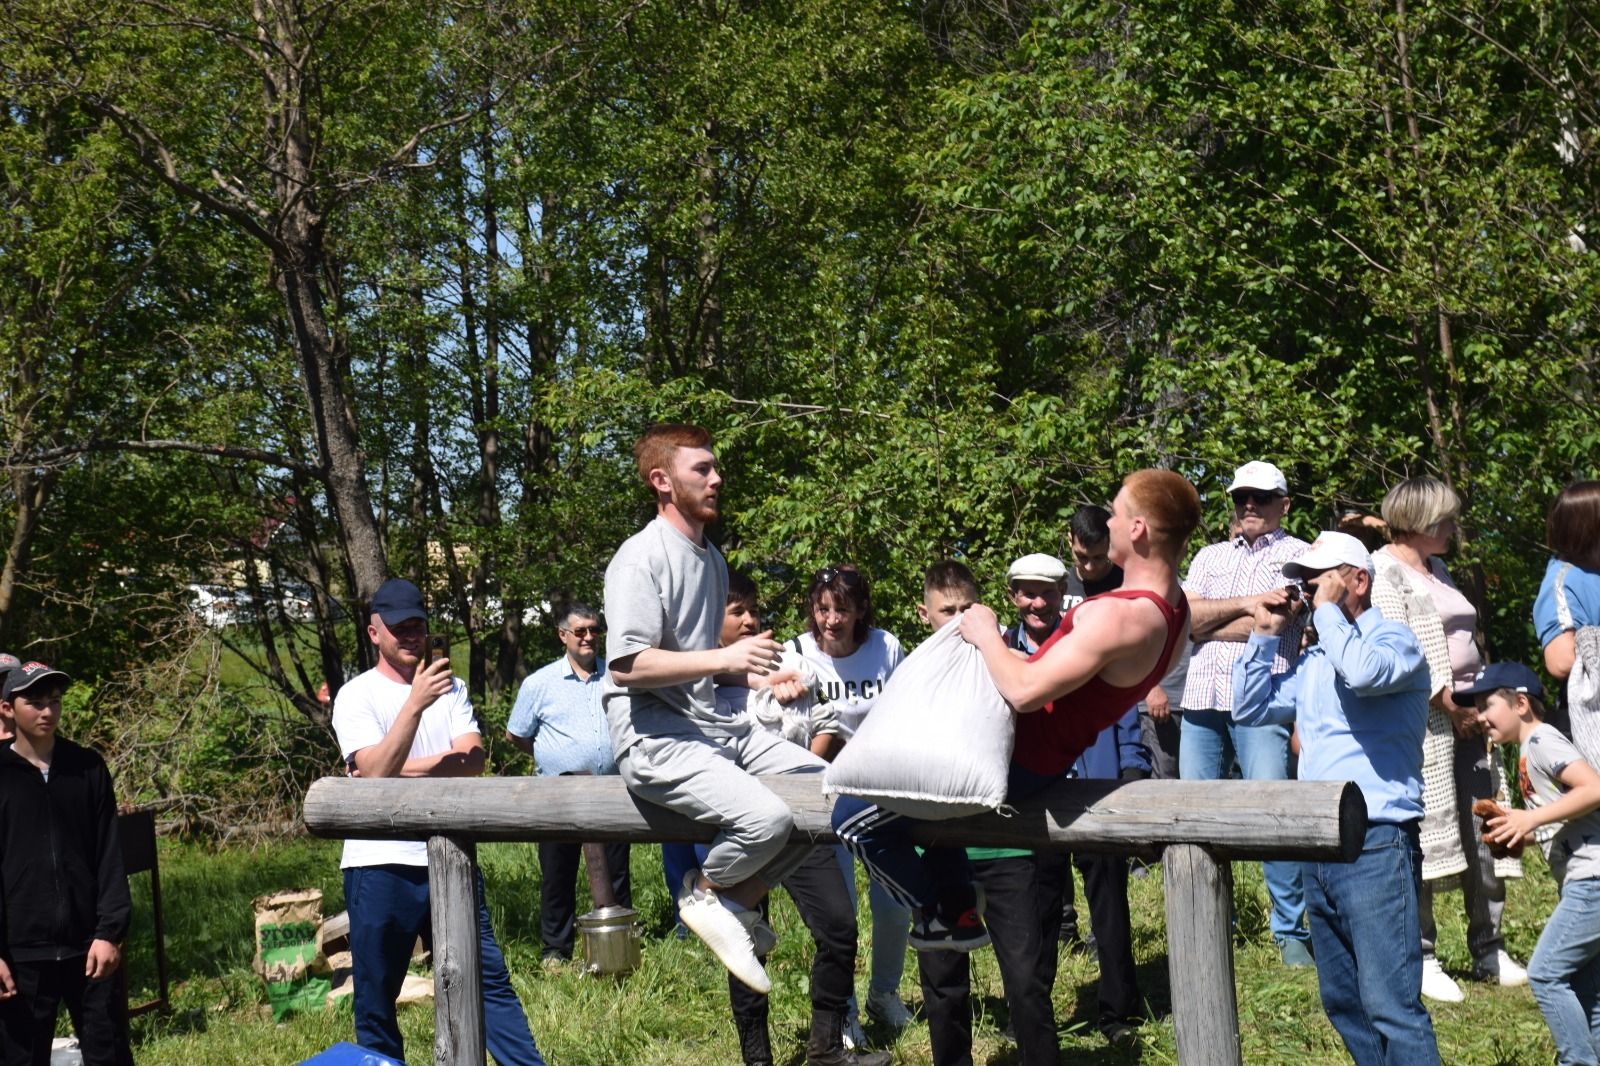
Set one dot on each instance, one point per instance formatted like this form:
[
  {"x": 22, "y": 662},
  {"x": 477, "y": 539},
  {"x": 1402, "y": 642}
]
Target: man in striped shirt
[{"x": 1225, "y": 584}]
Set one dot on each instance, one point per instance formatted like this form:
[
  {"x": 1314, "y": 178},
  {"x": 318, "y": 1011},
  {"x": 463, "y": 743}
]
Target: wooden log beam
[
  {"x": 1205, "y": 1010},
  {"x": 1307, "y": 820},
  {"x": 458, "y": 1034}
]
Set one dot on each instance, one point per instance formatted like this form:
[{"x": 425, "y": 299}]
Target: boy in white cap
[
  {"x": 1225, "y": 584},
  {"x": 1360, "y": 699}
]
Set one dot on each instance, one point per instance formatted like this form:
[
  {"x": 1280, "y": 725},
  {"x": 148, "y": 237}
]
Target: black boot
[
  {"x": 826, "y": 1046},
  {"x": 755, "y": 1047}
]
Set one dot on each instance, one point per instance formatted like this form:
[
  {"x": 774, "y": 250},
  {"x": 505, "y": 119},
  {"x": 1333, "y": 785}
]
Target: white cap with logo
[
  {"x": 1329, "y": 550},
  {"x": 1259, "y": 475}
]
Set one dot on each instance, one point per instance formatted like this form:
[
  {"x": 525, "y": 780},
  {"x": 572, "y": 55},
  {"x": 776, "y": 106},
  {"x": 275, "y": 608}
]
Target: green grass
[{"x": 674, "y": 1009}]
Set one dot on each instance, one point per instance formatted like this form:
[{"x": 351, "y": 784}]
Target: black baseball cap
[
  {"x": 23, "y": 677},
  {"x": 8, "y": 663},
  {"x": 1496, "y": 676},
  {"x": 398, "y": 600}
]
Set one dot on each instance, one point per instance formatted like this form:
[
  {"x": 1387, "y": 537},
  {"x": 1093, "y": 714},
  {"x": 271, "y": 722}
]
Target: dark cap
[
  {"x": 8, "y": 663},
  {"x": 1496, "y": 676},
  {"x": 21, "y": 678},
  {"x": 398, "y": 600}
]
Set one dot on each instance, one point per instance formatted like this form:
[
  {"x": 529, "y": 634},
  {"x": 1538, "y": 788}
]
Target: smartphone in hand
[{"x": 438, "y": 647}]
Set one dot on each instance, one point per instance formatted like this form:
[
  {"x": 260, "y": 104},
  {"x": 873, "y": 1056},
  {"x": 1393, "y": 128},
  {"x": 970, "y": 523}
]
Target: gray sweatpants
[{"x": 711, "y": 779}]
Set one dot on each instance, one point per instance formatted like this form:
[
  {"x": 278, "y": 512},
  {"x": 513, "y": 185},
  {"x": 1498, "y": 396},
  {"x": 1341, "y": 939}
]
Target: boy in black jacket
[{"x": 64, "y": 900}]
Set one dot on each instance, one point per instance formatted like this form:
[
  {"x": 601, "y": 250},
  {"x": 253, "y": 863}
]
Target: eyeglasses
[
  {"x": 1260, "y": 499},
  {"x": 585, "y": 631},
  {"x": 828, "y": 575}
]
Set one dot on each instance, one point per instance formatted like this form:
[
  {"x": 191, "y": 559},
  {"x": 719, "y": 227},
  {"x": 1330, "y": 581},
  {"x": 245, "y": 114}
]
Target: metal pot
[{"x": 610, "y": 940}]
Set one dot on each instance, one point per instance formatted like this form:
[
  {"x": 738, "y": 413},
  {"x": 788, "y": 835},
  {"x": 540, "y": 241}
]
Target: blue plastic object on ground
[{"x": 347, "y": 1054}]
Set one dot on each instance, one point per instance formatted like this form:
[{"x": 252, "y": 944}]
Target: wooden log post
[
  {"x": 457, "y": 963},
  {"x": 1205, "y": 1008},
  {"x": 1198, "y": 827}
]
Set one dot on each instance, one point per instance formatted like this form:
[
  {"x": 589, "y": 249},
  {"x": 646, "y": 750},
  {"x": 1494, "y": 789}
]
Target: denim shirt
[
  {"x": 1360, "y": 699},
  {"x": 563, "y": 716}
]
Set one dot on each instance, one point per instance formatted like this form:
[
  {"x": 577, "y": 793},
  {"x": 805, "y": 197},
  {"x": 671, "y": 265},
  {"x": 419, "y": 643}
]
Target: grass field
[{"x": 674, "y": 1010}]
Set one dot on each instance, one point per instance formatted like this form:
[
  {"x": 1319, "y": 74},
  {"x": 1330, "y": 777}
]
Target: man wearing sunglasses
[
  {"x": 558, "y": 720},
  {"x": 1225, "y": 584}
]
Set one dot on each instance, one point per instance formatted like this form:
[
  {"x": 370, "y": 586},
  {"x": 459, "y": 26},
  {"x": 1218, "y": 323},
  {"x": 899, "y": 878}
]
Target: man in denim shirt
[
  {"x": 1360, "y": 699},
  {"x": 558, "y": 720}
]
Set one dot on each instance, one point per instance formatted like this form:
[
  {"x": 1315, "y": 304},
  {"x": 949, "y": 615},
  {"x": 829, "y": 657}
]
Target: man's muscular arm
[
  {"x": 659, "y": 668},
  {"x": 464, "y": 759},
  {"x": 387, "y": 758},
  {"x": 1105, "y": 632}
]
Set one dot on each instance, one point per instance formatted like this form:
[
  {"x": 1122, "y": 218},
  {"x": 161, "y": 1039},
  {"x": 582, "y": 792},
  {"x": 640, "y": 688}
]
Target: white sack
[
  {"x": 938, "y": 741},
  {"x": 796, "y": 722}
]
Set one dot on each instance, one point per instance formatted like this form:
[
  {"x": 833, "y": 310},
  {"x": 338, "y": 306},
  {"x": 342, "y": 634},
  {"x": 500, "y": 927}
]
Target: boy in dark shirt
[{"x": 64, "y": 900}]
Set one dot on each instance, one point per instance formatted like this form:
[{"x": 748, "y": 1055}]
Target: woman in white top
[
  {"x": 1413, "y": 587},
  {"x": 840, "y": 636}
]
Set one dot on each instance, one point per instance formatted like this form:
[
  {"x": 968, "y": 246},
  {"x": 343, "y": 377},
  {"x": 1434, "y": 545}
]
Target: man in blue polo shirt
[
  {"x": 1360, "y": 698},
  {"x": 559, "y": 721}
]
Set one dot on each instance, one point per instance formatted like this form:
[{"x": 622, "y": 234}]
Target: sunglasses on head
[
  {"x": 1255, "y": 496},
  {"x": 828, "y": 575}
]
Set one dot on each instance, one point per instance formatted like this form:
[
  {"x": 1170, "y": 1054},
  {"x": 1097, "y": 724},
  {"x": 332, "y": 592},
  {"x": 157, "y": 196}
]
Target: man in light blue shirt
[
  {"x": 1360, "y": 698},
  {"x": 558, "y": 720}
]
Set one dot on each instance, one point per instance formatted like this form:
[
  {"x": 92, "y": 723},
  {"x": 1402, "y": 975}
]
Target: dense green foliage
[{"x": 292, "y": 298}]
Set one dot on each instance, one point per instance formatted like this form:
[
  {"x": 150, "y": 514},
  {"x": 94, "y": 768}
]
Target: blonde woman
[{"x": 1413, "y": 587}]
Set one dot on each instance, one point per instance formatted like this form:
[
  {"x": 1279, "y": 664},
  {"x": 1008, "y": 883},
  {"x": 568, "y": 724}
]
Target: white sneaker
[
  {"x": 855, "y": 1037},
  {"x": 721, "y": 931},
  {"x": 1500, "y": 968},
  {"x": 888, "y": 1008},
  {"x": 1438, "y": 985}
]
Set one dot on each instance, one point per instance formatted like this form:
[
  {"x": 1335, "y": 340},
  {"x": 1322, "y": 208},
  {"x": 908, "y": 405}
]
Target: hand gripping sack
[{"x": 938, "y": 741}]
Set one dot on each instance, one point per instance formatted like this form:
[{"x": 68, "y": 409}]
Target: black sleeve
[{"x": 114, "y": 905}]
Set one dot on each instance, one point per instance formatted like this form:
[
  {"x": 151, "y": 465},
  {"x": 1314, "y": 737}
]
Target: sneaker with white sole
[
  {"x": 854, "y": 1037},
  {"x": 1438, "y": 985},
  {"x": 1501, "y": 969},
  {"x": 934, "y": 930},
  {"x": 887, "y": 1008},
  {"x": 721, "y": 930}
]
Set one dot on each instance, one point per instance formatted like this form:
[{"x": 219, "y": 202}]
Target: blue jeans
[
  {"x": 388, "y": 910},
  {"x": 1208, "y": 745},
  {"x": 1565, "y": 974},
  {"x": 677, "y": 859},
  {"x": 1364, "y": 929}
]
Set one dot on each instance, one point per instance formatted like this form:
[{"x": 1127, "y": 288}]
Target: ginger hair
[
  {"x": 654, "y": 449},
  {"x": 1169, "y": 505}
]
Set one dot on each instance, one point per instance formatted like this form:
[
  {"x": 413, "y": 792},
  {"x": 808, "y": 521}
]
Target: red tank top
[{"x": 1050, "y": 739}]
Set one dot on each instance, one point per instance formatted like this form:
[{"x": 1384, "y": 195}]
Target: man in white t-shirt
[
  {"x": 666, "y": 588},
  {"x": 402, "y": 719}
]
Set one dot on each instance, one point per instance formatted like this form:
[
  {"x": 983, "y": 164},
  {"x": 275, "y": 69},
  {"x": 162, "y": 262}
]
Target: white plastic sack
[{"x": 938, "y": 741}]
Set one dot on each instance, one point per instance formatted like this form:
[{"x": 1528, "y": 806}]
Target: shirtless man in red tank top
[
  {"x": 1110, "y": 649},
  {"x": 1106, "y": 654}
]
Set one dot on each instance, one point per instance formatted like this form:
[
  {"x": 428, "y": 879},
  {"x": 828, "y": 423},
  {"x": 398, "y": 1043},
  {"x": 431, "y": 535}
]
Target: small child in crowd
[
  {"x": 1562, "y": 792},
  {"x": 63, "y": 893}
]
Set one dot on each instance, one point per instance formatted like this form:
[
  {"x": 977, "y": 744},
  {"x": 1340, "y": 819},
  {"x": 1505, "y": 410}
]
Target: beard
[{"x": 697, "y": 509}]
